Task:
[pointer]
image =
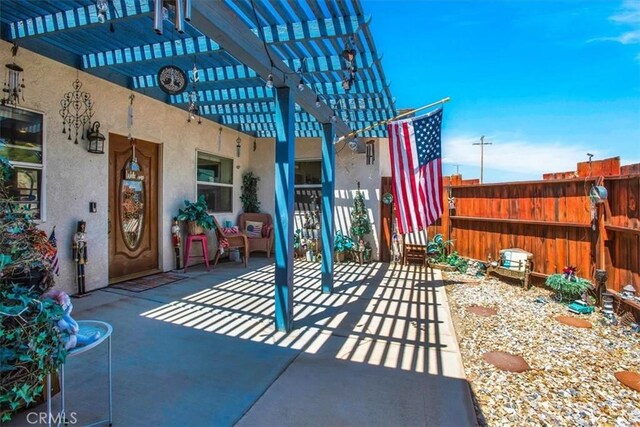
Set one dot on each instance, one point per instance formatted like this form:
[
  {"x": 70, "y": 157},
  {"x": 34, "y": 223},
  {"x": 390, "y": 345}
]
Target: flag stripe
[{"x": 416, "y": 169}]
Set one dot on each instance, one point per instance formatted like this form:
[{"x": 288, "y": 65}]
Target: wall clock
[{"x": 172, "y": 80}]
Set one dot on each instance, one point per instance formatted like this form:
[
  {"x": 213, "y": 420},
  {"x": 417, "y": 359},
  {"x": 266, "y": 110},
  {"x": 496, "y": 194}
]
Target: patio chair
[
  {"x": 262, "y": 240},
  {"x": 230, "y": 239}
]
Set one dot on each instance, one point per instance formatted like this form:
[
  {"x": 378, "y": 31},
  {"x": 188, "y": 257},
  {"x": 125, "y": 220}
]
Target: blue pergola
[{"x": 235, "y": 45}]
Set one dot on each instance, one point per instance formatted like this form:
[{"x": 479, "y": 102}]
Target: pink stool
[{"x": 205, "y": 249}]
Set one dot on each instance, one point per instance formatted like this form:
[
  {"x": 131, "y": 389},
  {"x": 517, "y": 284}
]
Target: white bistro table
[{"x": 86, "y": 328}]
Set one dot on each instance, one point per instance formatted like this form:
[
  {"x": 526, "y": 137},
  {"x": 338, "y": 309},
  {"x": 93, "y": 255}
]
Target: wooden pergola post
[
  {"x": 284, "y": 186},
  {"x": 327, "y": 223}
]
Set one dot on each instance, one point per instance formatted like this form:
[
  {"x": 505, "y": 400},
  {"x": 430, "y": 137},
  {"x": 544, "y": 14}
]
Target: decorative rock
[
  {"x": 482, "y": 311},
  {"x": 572, "y": 321},
  {"x": 630, "y": 379},
  {"x": 506, "y": 361}
]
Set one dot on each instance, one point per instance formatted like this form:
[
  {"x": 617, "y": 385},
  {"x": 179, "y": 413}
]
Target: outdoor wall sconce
[
  {"x": 238, "y": 146},
  {"x": 96, "y": 139},
  {"x": 371, "y": 153}
]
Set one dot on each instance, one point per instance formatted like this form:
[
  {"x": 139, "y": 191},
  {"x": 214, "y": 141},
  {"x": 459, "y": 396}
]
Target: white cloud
[
  {"x": 514, "y": 155},
  {"x": 630, "y": 13},
  {"x": 630, "y": 37}
]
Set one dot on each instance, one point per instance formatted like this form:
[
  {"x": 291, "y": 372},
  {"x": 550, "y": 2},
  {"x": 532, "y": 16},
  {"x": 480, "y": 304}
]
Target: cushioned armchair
[{"x": 259, "y": 230}]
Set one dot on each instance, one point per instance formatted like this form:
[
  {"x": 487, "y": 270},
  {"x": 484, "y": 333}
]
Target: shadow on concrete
[{"x": 380, "y": 350}]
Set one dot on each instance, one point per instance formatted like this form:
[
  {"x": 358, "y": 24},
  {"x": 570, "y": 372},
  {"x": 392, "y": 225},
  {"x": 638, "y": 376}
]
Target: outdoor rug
[{"x": 149, "y": 282}]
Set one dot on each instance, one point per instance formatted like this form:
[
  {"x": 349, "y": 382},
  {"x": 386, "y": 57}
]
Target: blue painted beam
[
  {"x": 148, "y": 52},
  {"x": 284, "y": 185},
  {"x": 77, "y": 18},
  {"x": 327, "y": 225}
]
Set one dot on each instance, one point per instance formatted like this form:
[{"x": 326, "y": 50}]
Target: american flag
[
  {"x": 55, "y": 265},
  {"x": 416, "y": 171}
]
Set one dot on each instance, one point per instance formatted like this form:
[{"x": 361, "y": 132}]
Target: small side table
[{"x": 86, "y": 328}]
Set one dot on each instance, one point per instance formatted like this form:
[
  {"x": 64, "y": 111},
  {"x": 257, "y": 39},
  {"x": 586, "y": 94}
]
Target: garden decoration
[
  {"x": 31, "y": 346},
  {"x": 67, "y": 325},
  {"x": 249, "y": 196},
  {"x": 580, "y": 307},
  {"x": 80, "y": 254},
  {"x": 437, "y": 249},
  {"x": 628, "y": 292},
  {"x": 14, "y": 82},
  {"x": 607, "y": 310},
  {"x": 341, "y": 245},
  {"x": 567, "y": 285},
  {"x": 193, "y": 109},
  {"x": 172, "y": 80},
  {"x": 76, "y": 110},
  {"x": 176, "y": 238},
  {"x": 360, "y": 223},
  {"x": 197, "y": 216}
]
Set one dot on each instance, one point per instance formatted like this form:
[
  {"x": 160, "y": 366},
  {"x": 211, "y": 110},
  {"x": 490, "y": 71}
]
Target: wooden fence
[{"x": 553, "y": 219}]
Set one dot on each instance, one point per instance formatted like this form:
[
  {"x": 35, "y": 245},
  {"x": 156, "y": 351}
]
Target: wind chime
[
  {"x": 14, "y": 81},
  {"x": 180, "y": 8},
  {"x": 132, "y": 171},
  {"x": 76, "y": 111},
  {"x": 193, "y": 109},
  {"x": 349, "y": 55}
]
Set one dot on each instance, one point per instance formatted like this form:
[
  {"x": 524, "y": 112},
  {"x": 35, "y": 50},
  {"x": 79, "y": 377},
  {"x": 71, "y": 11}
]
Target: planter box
[{"x": 441, "y": 266}]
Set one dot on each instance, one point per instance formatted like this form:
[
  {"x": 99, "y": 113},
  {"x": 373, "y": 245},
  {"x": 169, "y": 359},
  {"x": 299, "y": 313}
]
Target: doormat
[{"x": 148, "y": 282}]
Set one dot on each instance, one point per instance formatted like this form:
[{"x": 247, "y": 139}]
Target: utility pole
[{"x": 482, "y": 144}]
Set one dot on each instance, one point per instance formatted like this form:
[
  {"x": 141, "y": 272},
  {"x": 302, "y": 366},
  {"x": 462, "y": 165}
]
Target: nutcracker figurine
[
  {"x": 80, "y": 254},
  {"x": 175, "y": 235}
]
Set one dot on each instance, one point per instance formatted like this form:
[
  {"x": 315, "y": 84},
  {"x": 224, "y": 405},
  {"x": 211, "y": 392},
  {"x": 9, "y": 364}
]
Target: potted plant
[
  {"x": 437, "y": 252},
  {"x": 31, "y": 345},
  {"x": 197, "y": 216},
  {"x": 249, "y": 196},
  {"x": 341, "y": 245},
  {"x": 567, "y": 285},
  {"x": 297, "y": 243}
]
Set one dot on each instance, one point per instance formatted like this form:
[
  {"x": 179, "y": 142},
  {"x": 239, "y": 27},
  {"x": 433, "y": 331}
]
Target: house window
[
  {"x": 214, "y": 177},
  {"x": 308, "y": 184},
  {"x": 21, "y": 144}
]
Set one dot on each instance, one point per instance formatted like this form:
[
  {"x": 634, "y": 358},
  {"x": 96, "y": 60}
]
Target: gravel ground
[{"x": 571, "y": 381}]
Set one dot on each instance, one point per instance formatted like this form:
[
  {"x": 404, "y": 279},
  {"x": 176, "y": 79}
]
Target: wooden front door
[{"x": 133, "y": 209}]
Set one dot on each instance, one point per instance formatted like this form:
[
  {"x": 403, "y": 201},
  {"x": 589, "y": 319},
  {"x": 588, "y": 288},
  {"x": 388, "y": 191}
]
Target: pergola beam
[
  {"x": 156, "y": 51},
  {"x": 77, "y": 18},
  {"x": 217, "y": 21},
  {"x": 238, "y": 72}
]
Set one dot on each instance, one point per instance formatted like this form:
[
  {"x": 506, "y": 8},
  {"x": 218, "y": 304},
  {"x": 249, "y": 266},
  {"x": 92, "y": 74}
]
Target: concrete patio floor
[{"x": 379, "y": 351}]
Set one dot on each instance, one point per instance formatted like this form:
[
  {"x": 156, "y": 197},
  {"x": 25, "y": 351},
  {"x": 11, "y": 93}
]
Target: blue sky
[{"x": 544, "y": 81}]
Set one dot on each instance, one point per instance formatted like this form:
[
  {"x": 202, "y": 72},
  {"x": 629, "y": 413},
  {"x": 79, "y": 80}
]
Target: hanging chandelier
[{"x": 76, "y": 111}]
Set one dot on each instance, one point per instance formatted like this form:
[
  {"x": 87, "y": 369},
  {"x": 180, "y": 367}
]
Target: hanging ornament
[
  {"x": 193, "y": 110},
  {"x": 14, "y": 81},
  {"x": 76, "y": 111},
  {"x": 220, "y": 139}
]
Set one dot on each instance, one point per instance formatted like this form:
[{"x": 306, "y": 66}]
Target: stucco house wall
[
  {"x": 351, "y": 168},
  {"x": 73, "y": 177}
]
